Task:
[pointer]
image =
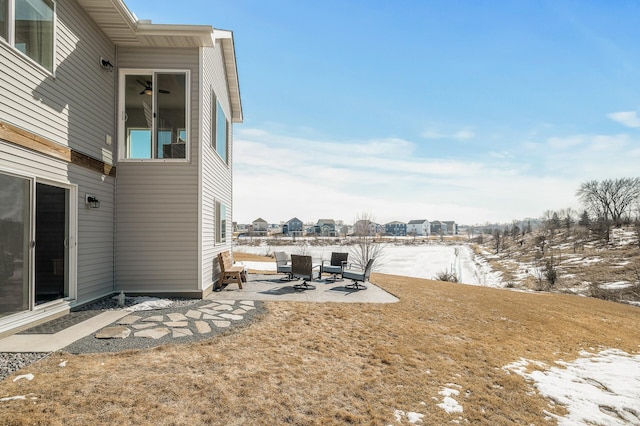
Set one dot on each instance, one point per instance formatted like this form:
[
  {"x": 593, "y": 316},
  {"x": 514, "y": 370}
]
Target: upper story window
[
  {"x": 219, "y": 129},
  {"x": 154, "y": 112},
  {"x": 4, "y": 19},
  {"x": 28, "y": 25}
]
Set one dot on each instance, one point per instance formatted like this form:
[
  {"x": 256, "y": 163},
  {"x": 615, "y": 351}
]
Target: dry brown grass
[
  {"x": 335, "y": 364},
  {"x": 240, "y": 256}
]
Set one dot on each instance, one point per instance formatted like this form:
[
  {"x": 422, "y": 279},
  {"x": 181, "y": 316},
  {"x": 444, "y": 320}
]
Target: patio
[{"x": 272, "y": 288}]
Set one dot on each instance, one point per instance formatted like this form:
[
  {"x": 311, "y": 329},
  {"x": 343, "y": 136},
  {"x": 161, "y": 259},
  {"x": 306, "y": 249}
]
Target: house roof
[
  {"x": 328, "y": 221},
  {"x": 260, "y": 220},
  {"x": 417, "y": 221},
  {"x": 124, "y": 29},
  {"x": 395, "y": 222},
  {"x": 295, "y": 219}
]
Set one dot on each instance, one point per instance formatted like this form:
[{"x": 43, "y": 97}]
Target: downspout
[{"x": 115, "y": 180}]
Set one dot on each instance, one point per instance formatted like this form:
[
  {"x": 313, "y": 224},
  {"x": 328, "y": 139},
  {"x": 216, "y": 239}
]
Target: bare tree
[
  {"x": 365, "y": 246},
  {"x": 496, "y": 240},
  {"x": 610, "y": 199}
]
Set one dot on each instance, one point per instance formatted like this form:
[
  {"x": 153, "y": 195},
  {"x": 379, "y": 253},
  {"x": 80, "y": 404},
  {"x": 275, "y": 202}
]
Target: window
[
  {"x": 31, "y": 29},
  {"x": 34, "y": 30},
  {"x": 221, "y": 221},
  {"x": 4, "y": 18},
  {"x": 155, "y": 115},
  {"x": 221, "y": 132}
]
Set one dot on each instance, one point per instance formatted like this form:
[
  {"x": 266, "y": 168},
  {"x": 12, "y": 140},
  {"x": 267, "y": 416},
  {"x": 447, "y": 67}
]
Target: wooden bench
[{"x": 228, "y": 273}]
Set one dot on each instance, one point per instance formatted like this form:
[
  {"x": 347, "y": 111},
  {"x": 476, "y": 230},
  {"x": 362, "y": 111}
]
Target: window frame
[
  {"x": 10, "y": 40},
  {"x": 123, "y": 149},
  {"x": 216, "y": 113},
  {"x": 220, "y": 227}
]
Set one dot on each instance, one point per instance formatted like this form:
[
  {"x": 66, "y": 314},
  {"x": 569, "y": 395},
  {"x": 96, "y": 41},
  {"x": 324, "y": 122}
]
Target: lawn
[{"x": 324, "y": 364}]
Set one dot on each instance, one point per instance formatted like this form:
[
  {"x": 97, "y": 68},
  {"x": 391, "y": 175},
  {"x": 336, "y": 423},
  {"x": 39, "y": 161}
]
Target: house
[
  {"x": 259, "y": 228},
  {"x": 418, "y": 227},
  {"x": 326, "y": 228},
  {"x": 294, "y": 227},
  {"x": 396, "y": 229},
  {"x": 440, "y": 227},
  {"x": 452, "y": 227},
  {"x": 115, "y": 156},
  {"x": 364, "y": 227}
]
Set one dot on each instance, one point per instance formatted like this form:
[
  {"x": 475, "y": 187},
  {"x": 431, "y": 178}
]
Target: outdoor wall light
[
  {"x": 92, "y": 201},
  {"x": 105, "y": 64}
]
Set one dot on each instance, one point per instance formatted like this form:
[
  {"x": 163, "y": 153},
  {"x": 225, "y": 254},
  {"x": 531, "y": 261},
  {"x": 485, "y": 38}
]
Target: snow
[
  {"x": 411, "y": 416},
  {"x": 145, "y": 303},
  {"x": 414, "y": 417},
  {"x": 618, "y": 285},
  {"x": 424, "y": 261},
  {"x": 597, "y": 388},
  {"x": 449, "y": 404},
  {"x": 13, "y": 398},
  {"x": 28, "y": 377}
]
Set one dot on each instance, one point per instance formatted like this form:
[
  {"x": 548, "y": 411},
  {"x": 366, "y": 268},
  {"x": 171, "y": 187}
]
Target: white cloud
[
  {"x": 278, "y": 177},
  {"x": 463, "y": 134},
  {"x": 566, "y": 142},
  {"x": 626, "y": 118}
]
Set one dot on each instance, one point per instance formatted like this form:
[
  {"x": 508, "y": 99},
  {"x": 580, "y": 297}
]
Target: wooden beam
[
  {"x": 26, "y": 139},
  {"x": 33, "y": 142}
]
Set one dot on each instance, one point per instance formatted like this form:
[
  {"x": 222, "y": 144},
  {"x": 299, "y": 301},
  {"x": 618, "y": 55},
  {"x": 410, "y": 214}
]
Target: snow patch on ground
[
  {"x": 449, "y": 404},
  {"x": 412, "y": 417},
  {"x": 145, "y": 303},
  {"x": 28, "y": 377},
  {"x": 597, "y": 388},
  {"x": 424, "y": 261},
  {"x": 618, "y": 285},
  {"x": 13, "y": 398}
]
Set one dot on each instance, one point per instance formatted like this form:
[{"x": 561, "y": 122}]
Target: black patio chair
[
  {"x": 358, "y": 276},
  {"x": 302, "y": 268},
  {"x": 336, "y": 265}
]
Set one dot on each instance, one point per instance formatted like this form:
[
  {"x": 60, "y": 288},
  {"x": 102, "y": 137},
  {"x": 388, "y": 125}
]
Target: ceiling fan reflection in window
[{"x": 148, "y": 90}]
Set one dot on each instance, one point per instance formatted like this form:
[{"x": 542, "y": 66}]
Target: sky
[{"x": 473, "y": 111}]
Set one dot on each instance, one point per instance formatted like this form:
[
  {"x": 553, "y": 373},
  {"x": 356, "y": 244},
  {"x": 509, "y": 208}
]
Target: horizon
[{"x": 475, "y": 111}]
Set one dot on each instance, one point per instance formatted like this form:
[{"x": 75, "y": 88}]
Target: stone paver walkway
[{"x": 198, "y": 320}]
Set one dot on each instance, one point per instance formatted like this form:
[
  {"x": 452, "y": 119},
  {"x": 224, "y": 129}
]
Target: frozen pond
[{"x": 423, "y": 261}]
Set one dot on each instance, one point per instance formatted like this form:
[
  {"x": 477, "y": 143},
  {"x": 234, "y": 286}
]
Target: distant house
[
  {"x": 452, "y": 227},
  {"x": 418, "y": 227},
  {"x": 367, "y": 227},
  {"x": 259, "y": 227},
  {"x": 396, "y": 229},
  {"x": 326, "y": 227},
  {"x": 293, "y": 227},
  {"x": 444, "y": 227},
  {"x": 438, "y": 228}
]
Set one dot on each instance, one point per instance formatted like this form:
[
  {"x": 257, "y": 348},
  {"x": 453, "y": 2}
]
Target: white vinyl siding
[
  {"x": 74, "y": 109},
  {"x": 216, "y": 174},
  {"x": 157, "y": 209}
]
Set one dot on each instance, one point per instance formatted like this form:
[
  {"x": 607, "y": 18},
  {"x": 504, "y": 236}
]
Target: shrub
[{"x": 447, "y": 276}]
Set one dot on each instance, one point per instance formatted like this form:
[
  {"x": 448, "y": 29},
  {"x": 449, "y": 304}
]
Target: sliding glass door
[
  {"x": 14, "y": 244},
  {"x": 35, "y": 235},
  {"x": 52, "y": 243}
]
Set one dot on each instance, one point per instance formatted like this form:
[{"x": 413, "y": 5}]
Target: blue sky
[{"x": 473, "y": 111}]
